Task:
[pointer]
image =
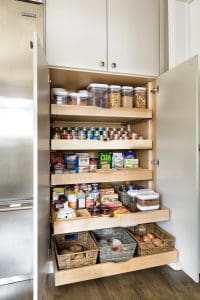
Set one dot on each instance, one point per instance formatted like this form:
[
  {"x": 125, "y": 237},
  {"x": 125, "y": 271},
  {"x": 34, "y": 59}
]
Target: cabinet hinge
[
  {"x": 31, "y": 44},
  {"x": 155, "y": 162},
  {"x": 155, "y": 90}
]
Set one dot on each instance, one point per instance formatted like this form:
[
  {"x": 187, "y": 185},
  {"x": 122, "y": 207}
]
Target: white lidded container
[
  {"x": 73, "y": 99},
  {"x": 127, "y": 96},
  {"x": 59, "y": 96},
  {"x": 147, "y": 201},
  {"x": 83, "y": 97}
]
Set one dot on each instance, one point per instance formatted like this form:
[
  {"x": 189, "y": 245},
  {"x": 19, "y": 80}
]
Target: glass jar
[
  {"x": 72, "y": 99},
  {"x": 114, "y": 96},
  {"x": 139, "y": 97},
  {"x": 59, "y": 96},
  {"x": 127, "y": 96},
  {"x": 98, "y": 95},
  {"x": 83, "y": 98}
]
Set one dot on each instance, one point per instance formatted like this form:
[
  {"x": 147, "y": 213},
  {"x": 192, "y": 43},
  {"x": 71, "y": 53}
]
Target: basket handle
[{"x": 83, "y": 254}]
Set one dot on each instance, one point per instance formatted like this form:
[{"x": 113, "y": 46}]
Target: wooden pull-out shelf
[
  {"x": 110, "y": 269},
  {"x": 102, "y": 176},
  {"x": 92, "y": 113},
  {"x": 100, "y": 145},
  {"x": 93, "y": 223}
]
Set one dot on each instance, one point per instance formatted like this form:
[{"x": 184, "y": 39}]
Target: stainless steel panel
[
  {"x": 177, "y": 151},
  {"x": 16, "y": 31},
  {"x": 16, "y": 148},
  {"x": 16, "y": 252},
  {"x": 41, "y": 166}
]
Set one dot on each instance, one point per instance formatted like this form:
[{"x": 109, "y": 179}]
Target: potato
[
  {"x": 157, "y": 242},
  {"x": 146, "y": 239},
  {"x": 151, "y": 236}
]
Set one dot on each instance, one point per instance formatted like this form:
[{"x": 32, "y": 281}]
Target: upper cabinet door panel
[
  {"x": 133, "y": 36},
  {"x": 76, "y": 34}
]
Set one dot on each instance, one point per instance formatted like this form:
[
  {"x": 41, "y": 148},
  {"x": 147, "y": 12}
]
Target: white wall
[{"x": 183, "y": 23}]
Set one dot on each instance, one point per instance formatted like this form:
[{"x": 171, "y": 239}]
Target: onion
[
  {"x": 151, "y": 236},
  {"x": 157, "y": 242},
  {"x": 146, "y": 239}
]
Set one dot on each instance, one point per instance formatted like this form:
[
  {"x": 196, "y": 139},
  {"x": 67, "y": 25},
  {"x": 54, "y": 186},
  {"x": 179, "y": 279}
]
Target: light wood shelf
[
  {"x": 109, "y": 269},
  {"x": 91, "y": 223},
  {"x": 100, "y": 145},
  {"x": 92, "y": 113},
  {"x": 102, "y": 176}
]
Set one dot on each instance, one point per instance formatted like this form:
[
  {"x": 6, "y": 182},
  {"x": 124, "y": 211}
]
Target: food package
[
  {"x": 130, "y": 160},
  {"x": 117, "y": 160},
  {"x": 83, "y": 162},
  {"x": 105, "y": 160},
  {"x": 56, "y": 192},
  {"x": 71, "y": 162}
]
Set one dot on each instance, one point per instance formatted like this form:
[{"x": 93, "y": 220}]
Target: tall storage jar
[
  {"x": 140, "y": 97},
  {"x": 114, "y": 96},
  {"x": 98, "y": 95},
  {"x": 127, "y": 96}
]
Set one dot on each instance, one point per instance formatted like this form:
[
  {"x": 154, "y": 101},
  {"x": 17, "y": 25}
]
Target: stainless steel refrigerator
[{"x": 19, "y": 116}]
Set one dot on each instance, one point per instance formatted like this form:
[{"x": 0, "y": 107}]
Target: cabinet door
[
  {"x": 40, "y": 167},
  {"x": 76, "y": 34},
  {"x": 177, "y": 151},
  {"x": 133, "y": 36}
]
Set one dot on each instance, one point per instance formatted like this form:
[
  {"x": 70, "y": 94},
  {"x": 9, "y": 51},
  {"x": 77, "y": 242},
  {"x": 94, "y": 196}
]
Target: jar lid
[
  {"x": 98, "y": 85},
  {"x": 128, "y": 88},
  {"x": 140, "y": 89},
  {"x": 73, "y": 95},
  {"x": 115, "y": 87},
  {"x": 59, "y": 92}
]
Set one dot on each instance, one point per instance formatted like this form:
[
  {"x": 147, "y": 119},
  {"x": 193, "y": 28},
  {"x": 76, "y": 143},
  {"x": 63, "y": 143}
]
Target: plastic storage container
[
  {"x": 83, "y": 97},
  {"x": 127, "y": 96},
  {"x": 73, "y": 99},
  {"x": 140, "y": 97},
  {"x": 98, "y": 95},
  {"x": 148, "y": 201},
  {"x": 114, "y": 96},
  {"x": 59, "y": 96}
]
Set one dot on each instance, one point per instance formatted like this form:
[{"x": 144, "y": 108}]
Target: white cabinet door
[
  {"x": 177, "y": 151},
  {"x": 133, "y": 36},
  {"x": 40, "y": 167},
  {"x": 76, "y": 34}
]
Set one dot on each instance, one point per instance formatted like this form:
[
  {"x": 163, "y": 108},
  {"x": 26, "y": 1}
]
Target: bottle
[
  {"x": 72, "y": 199},
  {"x": 81, "y": 199}
]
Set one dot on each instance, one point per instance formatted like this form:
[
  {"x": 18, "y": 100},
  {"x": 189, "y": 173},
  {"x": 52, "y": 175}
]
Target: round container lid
[
  {"x": 59, "y": 92},
  {"x": 140, "y": 89},
  {"x": 115, "y": 87},
  {"x": 98, "y": 85},
  {"x": 127, "y": 88}
]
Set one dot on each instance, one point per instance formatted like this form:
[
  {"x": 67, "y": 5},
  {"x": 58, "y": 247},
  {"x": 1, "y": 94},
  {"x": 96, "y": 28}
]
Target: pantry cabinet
[
  {"x": 133, "y": 37},
  {"x": 104, "y": 35},
  {"x": 76, "y": 34}
]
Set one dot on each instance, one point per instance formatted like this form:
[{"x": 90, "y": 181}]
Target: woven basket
[
  {"x": 75, "y": 260},
  {"x": 107, "y": 253},
  {"x": 148, "y": 248}
]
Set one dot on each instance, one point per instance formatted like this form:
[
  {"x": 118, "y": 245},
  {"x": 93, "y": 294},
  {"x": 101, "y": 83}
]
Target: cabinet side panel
[{"x": 177, "y": 151}]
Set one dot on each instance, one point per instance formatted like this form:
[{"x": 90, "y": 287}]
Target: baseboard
[{"x": 175, "y": 266}]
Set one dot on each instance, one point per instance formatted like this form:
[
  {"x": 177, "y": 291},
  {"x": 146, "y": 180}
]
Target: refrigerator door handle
[{"x": 15, "y": 207}]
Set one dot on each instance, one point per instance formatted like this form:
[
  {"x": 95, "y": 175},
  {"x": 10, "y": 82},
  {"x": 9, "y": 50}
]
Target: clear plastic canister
[
  {"x": 127, "y": 96},
  {"x": 114, "y": 96},
  {"x": 140, "y": 97},
  {"x": 98, "y": 95},
  {"x": 59, "y": 96},
  {"x": 72, "y": 99},
  {"x": 83, "y": 97}
]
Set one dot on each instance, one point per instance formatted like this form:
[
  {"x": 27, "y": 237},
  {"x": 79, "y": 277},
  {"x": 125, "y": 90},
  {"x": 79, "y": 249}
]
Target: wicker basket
[
  {"x": 148, "y": 248},
  {"x": 74, "y": 260},
  {"x": 107, "y": 253}
]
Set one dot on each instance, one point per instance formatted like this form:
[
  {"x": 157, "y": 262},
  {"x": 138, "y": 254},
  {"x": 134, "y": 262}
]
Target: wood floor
[{"x": 160, "y": 283}]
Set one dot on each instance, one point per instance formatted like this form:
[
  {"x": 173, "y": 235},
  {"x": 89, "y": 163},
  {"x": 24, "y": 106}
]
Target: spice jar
[
  {"x": 114, "y": 96},
  {"x": 127, "y": 96},
  {"x": 59, "y": 96},
  {"x": 72, "y": 99},
  {"x": 83, "y": 98},
  {"x": 139, "y": 97},
  {"x": 98, "y": 95}
]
